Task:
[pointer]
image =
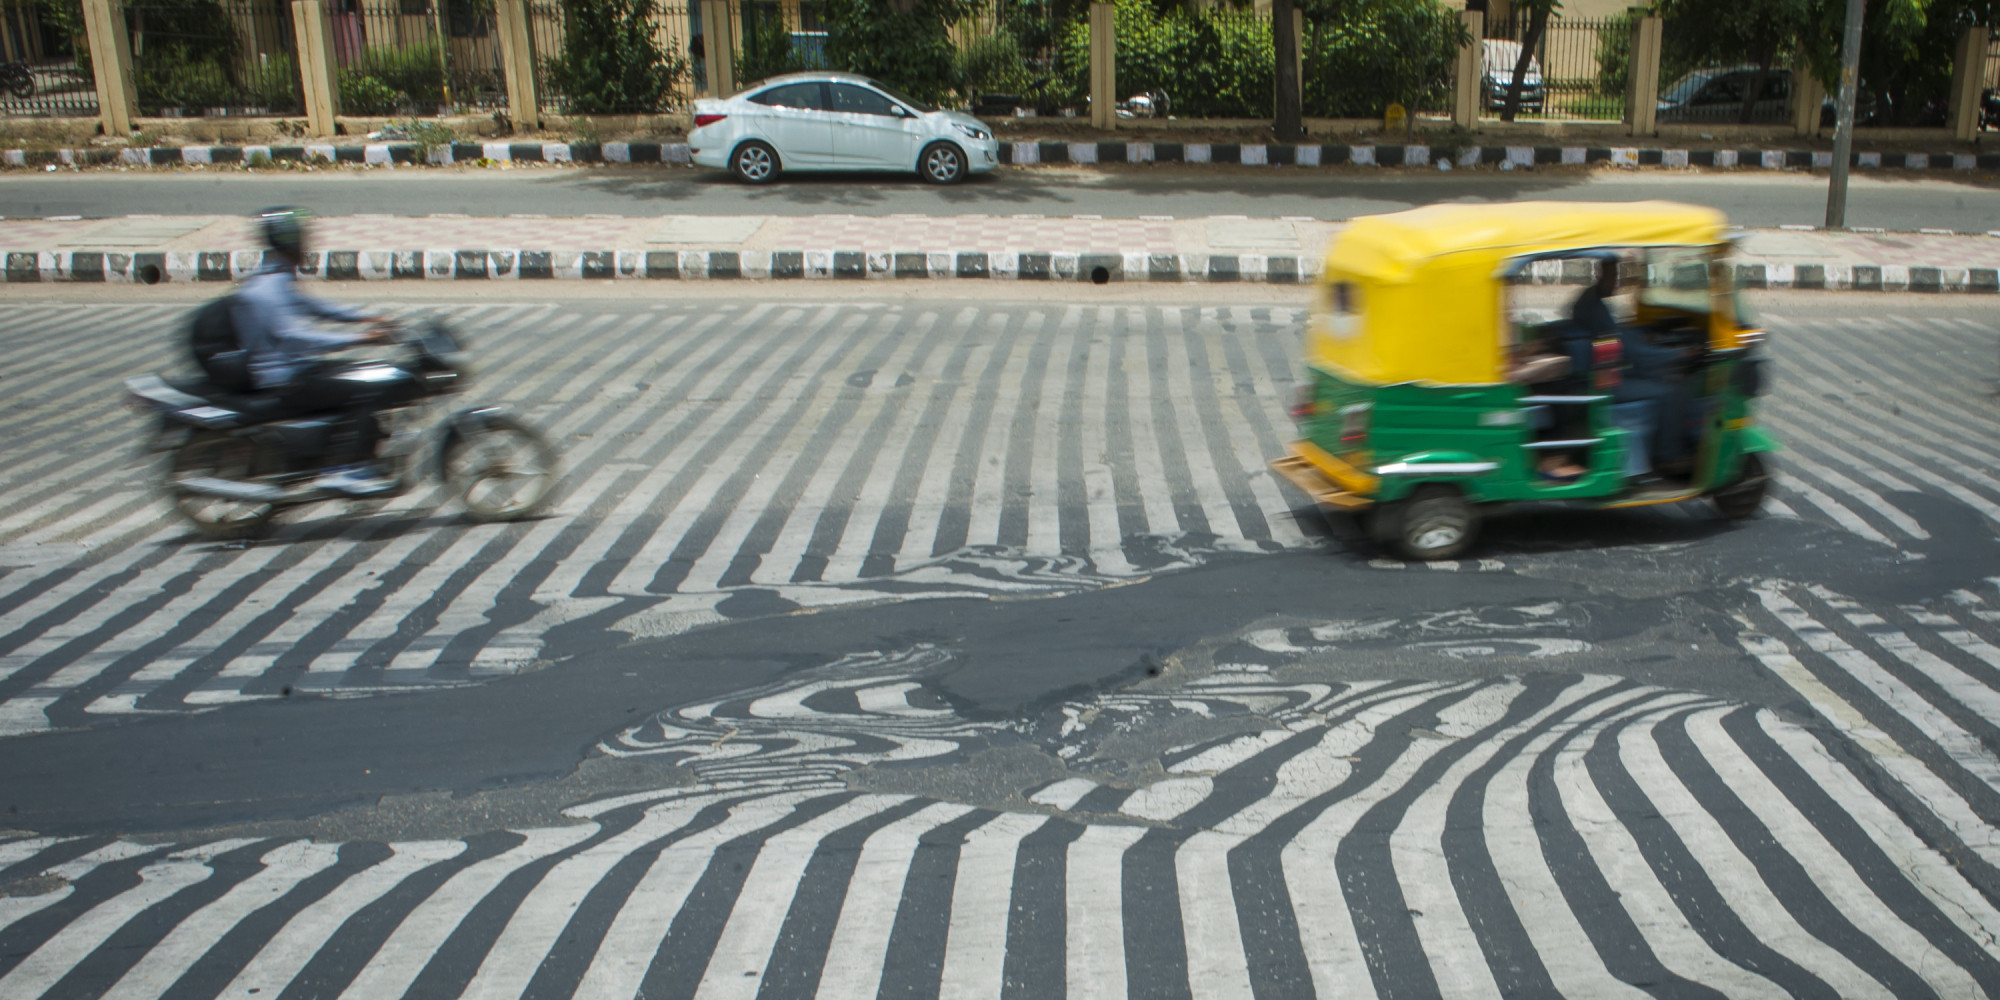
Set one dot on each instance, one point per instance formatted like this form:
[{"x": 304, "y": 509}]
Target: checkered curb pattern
[
  {"x": 1023, "y": 154},
  {"x": 685, "y": 265}
]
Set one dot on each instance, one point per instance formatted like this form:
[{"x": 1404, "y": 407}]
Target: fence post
[
  {"x": 517, "y": 61},
  {"x": 1468, "y": 91},
  {"x": 111, "y": 64},
  {"x": 1968, "y": 76},
  {"x": 314, "y": 28},
  {"x": 1103, "y": 66},
  {"x": 718, "y": 29},
  {"x": 1642, "y": 77},
  {"x": 1808, "y": 94}
]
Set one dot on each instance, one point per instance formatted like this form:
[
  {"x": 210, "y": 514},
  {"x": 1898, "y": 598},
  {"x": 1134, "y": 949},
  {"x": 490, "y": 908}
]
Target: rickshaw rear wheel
[
  {"x": 1741, "y": 498},
  {"x": 1436, "y": 522}
]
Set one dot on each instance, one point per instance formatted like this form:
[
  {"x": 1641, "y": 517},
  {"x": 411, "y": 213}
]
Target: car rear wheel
[
  {"x": 941, "y": 163},
  {"x": 754, "y": 163}
]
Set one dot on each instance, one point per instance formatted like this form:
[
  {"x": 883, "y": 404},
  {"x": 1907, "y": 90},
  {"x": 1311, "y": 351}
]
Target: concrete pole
[
  {"x": 1103, "y": 66},
  {"x": 517, "y": 60},
  {"x": 718, "y": 43},
  {"x": 1286, "y": 44},
  {"x": 314, "y": 27},
  {"x": 1642, "y": 78},
  {"x": 1968, "y": 74},
  {"x": 1808, "y": 96},
  {"x": 111, "y": 64},
  {"x": 1843, "y": 129},
  {"x": 1471, "y": 68}
]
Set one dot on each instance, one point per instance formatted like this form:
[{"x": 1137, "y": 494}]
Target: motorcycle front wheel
[
  {"x": 502, "y": 471},
  {"x": 218, "y": 456}
]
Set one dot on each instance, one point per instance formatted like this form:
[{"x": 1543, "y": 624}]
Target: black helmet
[{"x": 283, "y": 229}]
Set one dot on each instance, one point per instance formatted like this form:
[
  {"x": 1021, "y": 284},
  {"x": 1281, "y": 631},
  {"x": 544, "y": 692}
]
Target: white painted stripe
[
  {"x": 1939, "y": 797},
  {"x": 1560, "y": 942},
  {"x": 1094, "y": 943},
  {"x": 537, "y": 923},
  {"x": 1732, "y": 875},
  {"x": 1100, "y": 494},
  {"x": 860, "y": 945},
  {"x": 982, "y": 892},
  {"x": 1960, "y": 686},
  {"x": 742, "y": 954},
  {"x": 68, "y": 947},
  {"x": 618, "y": 969},
  {"x": 424, "y": 929},
  {"x": 1830, "y": 870},
  {"x": 1202, "y": 468},
  {"x": 284, "y": 868},
  {"x": 1211, "y": 929},
  {"x": 1045, "y": 442},
  {"x": 1964, "y": 748},
  {"x": 781, "y": 561},
  {"x": 1649, "y": 904},
  {"x": 1155, "y": 489},
  {"x": 990, "y": 472},
  {"x": 934, "y": 486}
]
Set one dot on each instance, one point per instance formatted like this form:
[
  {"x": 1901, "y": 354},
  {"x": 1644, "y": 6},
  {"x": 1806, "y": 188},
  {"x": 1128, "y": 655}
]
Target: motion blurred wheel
[
  {"x": 1437, "y": 522},
  {"x": 1741, "y": 498},
  {"x": 219, "y": 456},
  {"x": 504, "y": 471}
]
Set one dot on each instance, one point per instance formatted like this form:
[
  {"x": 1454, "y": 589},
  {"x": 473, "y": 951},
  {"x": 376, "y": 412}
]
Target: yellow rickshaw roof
[{"x": 1395, "y": 247}]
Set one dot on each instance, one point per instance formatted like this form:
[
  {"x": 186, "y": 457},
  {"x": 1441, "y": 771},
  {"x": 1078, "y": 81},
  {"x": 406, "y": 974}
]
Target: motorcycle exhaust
[{"x": 229, "y": 489}]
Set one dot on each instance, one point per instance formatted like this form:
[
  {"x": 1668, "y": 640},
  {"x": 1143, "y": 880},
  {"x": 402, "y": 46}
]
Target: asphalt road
[
  {"x": 1750, "y": 199},
  {"x": 953, "y": 644}
]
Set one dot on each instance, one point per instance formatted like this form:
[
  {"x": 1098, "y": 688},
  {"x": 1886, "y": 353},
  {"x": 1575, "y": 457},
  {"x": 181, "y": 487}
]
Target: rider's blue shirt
[{"x": 274, "y": 323}]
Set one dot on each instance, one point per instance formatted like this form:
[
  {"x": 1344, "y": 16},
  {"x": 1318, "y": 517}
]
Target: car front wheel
[
  {"x": 942, "y": 163},
  {"x": 754, "y": 163}
]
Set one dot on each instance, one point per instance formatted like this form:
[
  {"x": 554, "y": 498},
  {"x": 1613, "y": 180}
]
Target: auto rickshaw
[{"x": 1407, "y": 414}]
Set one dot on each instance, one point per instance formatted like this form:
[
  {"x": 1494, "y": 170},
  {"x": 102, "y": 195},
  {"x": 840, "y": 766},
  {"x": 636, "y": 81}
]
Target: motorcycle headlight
[{"x": 972, "y": 132}]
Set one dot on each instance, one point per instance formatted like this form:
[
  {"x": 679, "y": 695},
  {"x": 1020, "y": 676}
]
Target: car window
[
  {"x": 1689, "y": 86},
  {"x": 899, "y": 95},
  {"x": 854, "y": 100},
  {"x": 792, "y": 95},
  {"x": 1722, "y": 90}
]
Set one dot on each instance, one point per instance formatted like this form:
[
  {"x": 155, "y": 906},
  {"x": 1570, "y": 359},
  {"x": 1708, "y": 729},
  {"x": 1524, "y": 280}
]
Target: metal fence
[
  {"x": 1006, "y": 56},
  {"x": 391, "y": 61},
  {"x": 1577, "y": 72},
  {"x": 232, "y": 57},
  {"x": 1989, "y": 87},
  {"x": 675, "y": 28},
  {"x": 57, "y": 86},
  {"x": 779, "y": 38}
]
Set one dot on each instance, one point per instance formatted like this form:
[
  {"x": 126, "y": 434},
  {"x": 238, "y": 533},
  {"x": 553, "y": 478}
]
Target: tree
[
  {"x": 1538, "y": 24},
  {"x": 611, "y": 61},
  {"x": 905, "y": 43}
]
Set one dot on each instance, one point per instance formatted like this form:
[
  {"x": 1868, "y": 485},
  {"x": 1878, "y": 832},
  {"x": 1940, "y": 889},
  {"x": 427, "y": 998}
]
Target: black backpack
[{"x": 213, "y": 342}]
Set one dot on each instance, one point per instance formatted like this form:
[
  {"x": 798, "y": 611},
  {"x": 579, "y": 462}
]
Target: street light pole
[{"x": 1843, "y": 129}]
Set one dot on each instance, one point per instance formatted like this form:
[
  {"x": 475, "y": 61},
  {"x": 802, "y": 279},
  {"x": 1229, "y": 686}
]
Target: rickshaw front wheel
[
  {"x": 1741, "y": 498},
  {"x": 1436, "y": 522}
]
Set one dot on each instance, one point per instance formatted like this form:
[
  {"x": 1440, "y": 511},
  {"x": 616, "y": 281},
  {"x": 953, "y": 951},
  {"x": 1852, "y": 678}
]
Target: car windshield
[
  {"x": 1688, "y": 86},
  {"x": 899, "y": 95}
]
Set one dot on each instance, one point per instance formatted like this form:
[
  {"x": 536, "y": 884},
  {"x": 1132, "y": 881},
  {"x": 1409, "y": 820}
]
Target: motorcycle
[
  {"x": 17, "y": 80},
  {"x": 235, "y": 461}
]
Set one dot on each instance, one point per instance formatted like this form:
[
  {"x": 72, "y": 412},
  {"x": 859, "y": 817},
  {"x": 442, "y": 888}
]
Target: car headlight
[{"x": 972, "y": 132}]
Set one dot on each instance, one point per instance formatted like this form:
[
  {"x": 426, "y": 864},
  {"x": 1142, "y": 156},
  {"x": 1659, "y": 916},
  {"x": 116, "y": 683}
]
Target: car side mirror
[{"x": 901, "y": 112}]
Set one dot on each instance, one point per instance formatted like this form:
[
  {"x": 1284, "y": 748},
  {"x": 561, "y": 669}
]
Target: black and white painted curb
[
  {"x": 695, "y": 265},
  {"x": 1020, "y": 154}
]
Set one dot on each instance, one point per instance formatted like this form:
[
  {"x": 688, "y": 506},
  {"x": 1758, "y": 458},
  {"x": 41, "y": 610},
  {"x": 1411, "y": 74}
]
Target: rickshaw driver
[{"x": 1651, "y": 397}]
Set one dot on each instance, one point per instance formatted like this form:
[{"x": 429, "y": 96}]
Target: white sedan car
[{"x": 836, "y": 121}]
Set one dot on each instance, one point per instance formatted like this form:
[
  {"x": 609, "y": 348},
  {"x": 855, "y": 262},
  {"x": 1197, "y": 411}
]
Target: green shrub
[
  {"x": 362, "y": 94},
  {"x": 611, "y": 63},
  {"x": 1359, "y": 57},
  {"x": 181, "y": 79},
  {"x": 993, "y": 64},
  {"x": 910, "y": 50},
  {"x": 273, "y": 84},
  {"x": 412, "y": 70}
]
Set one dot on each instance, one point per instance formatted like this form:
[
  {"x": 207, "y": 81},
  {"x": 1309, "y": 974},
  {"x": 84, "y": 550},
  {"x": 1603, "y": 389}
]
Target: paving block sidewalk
[{"x": 1019, "y": 247}]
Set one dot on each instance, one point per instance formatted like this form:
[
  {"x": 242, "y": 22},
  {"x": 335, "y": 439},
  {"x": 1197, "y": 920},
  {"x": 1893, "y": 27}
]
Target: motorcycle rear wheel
[
  {"x": 504, "y": 471},
  {"x": 221, "y": 456}
]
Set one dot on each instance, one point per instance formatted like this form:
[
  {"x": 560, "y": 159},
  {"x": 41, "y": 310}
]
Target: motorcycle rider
[{"x": 274, "y": 323}]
